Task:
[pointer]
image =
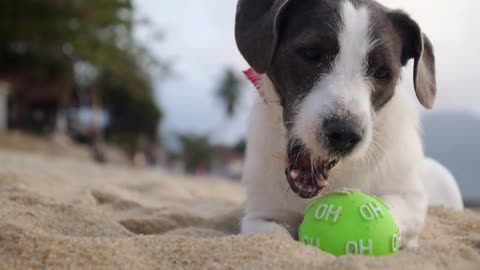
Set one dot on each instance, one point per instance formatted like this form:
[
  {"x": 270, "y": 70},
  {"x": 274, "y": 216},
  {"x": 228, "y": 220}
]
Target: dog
[{"x": 332, "y": 113}]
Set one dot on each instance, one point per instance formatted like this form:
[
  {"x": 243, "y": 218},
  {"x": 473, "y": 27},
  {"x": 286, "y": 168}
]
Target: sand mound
[
  {"x": 56, "y": 145},
  {"x": 59, "y": 214}
]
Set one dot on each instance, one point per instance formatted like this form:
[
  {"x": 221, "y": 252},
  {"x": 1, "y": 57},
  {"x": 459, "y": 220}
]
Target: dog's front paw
[
  {"x": 260, "y": 226},
  {"x": 409, "y": 213}
]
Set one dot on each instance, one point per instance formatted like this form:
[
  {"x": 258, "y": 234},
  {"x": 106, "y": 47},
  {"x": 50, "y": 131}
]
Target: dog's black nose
[{"x": 342, "y": 134}]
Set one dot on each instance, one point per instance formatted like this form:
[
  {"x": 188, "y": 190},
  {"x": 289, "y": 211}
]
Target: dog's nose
[{"x": 342, "y": 134}]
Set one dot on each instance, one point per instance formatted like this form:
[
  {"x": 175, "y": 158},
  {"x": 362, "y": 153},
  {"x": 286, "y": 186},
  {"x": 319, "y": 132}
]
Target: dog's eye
[
  {"x": 313, "y": 54},
  {"x": 382, "y": 74}
]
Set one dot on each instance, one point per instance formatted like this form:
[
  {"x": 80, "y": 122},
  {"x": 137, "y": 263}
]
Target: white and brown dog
[{"x": 334, "y": 110}]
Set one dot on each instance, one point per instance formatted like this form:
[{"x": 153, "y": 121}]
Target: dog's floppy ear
[
  {"x": 416, "y": 45},
  {"x": 256, "y": 30}
]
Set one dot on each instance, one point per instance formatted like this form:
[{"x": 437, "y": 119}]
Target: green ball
[{"x": 350, "y": 222}]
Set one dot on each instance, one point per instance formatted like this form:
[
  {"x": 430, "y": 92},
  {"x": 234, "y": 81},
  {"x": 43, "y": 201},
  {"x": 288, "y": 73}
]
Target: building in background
[{"x": 33, "y": 104}]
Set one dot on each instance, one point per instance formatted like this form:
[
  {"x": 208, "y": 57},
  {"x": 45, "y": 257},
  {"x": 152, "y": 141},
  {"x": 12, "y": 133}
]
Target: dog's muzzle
[{"x": 307, "y": 176}]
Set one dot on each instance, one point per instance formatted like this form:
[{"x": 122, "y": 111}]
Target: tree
[
  {"x": 197, "y": 151},
  {"x": 34, "y": 32},
  {"x": 229, "y": 92},
  {"x": 241, "y": 147},
  {"x": 46, "y": 40},
  {"x": 135, "y": 117}
]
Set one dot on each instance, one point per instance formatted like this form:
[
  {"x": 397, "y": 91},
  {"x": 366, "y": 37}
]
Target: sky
[{"x": 199, "y": 40}]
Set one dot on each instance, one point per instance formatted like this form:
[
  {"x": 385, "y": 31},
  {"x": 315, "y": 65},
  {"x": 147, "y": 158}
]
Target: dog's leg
[
  {"x": 441, "y": 186},
  {"x": 263, "y": 175},
  {"x": 409, "y": 211}
]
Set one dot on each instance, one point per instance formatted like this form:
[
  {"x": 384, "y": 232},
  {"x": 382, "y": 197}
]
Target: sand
[
  {"x": 71, "y": 214},
  {"x": 55, "y": 145}
]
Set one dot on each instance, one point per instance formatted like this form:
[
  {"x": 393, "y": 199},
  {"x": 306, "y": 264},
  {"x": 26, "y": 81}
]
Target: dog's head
[{"x": 334, "y": 64}]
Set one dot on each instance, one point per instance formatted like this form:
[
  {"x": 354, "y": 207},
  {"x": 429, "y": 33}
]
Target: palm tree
[{"x": 229, "y": 92}]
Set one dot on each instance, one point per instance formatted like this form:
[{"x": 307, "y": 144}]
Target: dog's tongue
[
  {"x": 306, "y": 179},
  {"x": 306, "y": 183}
]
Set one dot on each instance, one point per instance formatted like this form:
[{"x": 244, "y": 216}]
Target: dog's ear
[
  {"x": 416, "y": 45},
  {"x": 256, "y": 30}
]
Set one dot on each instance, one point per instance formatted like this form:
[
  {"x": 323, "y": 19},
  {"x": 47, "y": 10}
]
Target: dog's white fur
[
  {"x": 345, "y": 90},
  {"x": 391, "y": 164}
]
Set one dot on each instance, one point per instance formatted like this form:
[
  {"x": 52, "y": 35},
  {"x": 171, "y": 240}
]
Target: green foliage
[
  {"x": 133, "y": 114},
  {"x": 47, "y": 38},
  {"x": 229, "y": 92},
  {"x": 196, "y": 151},
  {"x": 37, "y": 31},
  {"x": 241, "y": 146}
]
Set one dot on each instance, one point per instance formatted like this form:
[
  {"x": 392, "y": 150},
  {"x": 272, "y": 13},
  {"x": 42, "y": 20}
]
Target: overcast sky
[{"x": 199, "y": 39}]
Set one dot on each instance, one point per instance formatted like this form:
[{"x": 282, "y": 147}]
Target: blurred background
[{"x": 158, "y": 84}]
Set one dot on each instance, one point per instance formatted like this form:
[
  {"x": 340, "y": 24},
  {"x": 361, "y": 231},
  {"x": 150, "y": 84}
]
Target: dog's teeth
[
  {"x": 323, "y": 183},
  {"x": 294, "y": 174}
]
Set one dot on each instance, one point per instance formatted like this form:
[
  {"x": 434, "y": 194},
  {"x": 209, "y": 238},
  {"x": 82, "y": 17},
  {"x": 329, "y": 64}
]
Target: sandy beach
[{"x": 73, "y": 214}]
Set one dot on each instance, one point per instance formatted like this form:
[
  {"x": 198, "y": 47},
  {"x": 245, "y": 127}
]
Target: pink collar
[{"x": 257, "y": 80}]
